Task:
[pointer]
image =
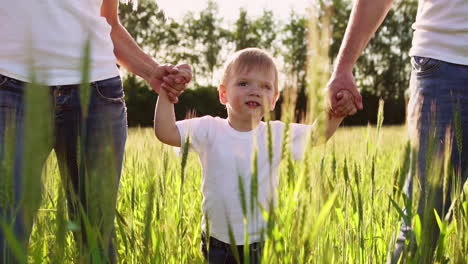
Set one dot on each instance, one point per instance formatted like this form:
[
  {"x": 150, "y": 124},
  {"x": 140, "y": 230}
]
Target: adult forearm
[
  {"x": 130, "y": 55},
  {"x": 366, "y": 17}
]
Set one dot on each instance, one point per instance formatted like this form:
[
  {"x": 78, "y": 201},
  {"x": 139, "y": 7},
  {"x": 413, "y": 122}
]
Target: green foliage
[
  {"x": 140, "y": 100},
  {"x": 259, "y": 32},
  {"x": 303, "y": 228},
  {"x": 206, "y": 36},
  {"x": 146, "y": 24},
  {"x": 204, "y": 40},
  {"x": 295, "y": 43}
]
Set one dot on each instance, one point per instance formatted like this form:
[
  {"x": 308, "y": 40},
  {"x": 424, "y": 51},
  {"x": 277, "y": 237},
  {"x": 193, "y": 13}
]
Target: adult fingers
[
  {"x": 169, "y": 68},
  {"x": 350, "y": 109},
  {"x": 176, "y": 87},
  {"x": 172, "y": 89},
  {"x": 344, "y": 107},
  {"x": 357, "y": 98},
  {"x": 340, "y": 112},
  {"x": 353, "y": 111},
  {"x": 341, "y": 81},
  {"x": 339, "y": 95},
  {"x": 185, "y": 73},
  {"x": 337, "y": 114},
  {"x": 183, "y": 67},
  {"x": 170, "y": 80},
  {"x": 174, "y": 99},
  {"x": 180, "y": 77}
]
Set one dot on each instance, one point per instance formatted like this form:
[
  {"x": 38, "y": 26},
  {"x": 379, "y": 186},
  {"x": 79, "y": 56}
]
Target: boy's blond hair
[{"x": 246, "y": 59}]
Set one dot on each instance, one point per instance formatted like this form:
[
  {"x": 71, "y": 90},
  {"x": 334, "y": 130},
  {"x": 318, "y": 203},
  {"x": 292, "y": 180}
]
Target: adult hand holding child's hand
[
  {"x": 176, "y": 81},
  {"x": 338, "y": 100},
  {"x": 344, "y": 104}
]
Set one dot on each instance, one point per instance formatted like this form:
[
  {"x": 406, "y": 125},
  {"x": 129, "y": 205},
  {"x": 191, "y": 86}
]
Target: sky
[{"x": 229, "y": 9}]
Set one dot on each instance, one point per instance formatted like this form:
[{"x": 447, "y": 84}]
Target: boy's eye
[
  {"x": 242, "y": 83},
  {"x": 268, "y": 87}
]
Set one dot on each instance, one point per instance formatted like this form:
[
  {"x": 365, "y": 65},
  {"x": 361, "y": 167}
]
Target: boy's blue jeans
[
  {"x": 218, "y": 252},
  {"x": 90, "y": 165},
  {"x": 438, "y": 101}
]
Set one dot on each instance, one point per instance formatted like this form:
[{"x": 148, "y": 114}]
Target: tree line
[{"x": 204, "y": 40}]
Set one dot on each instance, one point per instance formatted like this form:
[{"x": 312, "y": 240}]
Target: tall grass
[{"x": 353, "y": 225}]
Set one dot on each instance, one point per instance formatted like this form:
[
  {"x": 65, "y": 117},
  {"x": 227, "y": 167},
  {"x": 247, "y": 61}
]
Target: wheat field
[{"x": 335, "y": 206}]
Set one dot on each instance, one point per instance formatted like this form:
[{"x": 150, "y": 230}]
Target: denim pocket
[
  {"x": 3, "y": 80},
  {"x": 110, "y": 90},
  {"x": 10, "y": 101},
  {"x": 424, "y": 66},
  {"x": 11, "y": 85}
]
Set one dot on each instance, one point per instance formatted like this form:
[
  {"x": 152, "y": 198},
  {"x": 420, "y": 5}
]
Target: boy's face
[{"x": 248, "y": 95}]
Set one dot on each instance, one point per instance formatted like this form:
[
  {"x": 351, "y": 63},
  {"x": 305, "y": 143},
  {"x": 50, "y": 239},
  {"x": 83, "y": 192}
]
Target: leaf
[{"x": 417, "y": 229}]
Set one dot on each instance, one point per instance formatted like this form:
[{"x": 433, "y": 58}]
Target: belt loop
[
  {"x": 94, "y": 84},
  {"x": 56, "y": 91}
]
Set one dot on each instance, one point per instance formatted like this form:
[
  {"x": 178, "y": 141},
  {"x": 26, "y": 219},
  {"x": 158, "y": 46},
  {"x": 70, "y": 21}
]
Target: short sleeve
[
  {"x": 195, "y": 131},
  {"x": 300, "y": 136}
]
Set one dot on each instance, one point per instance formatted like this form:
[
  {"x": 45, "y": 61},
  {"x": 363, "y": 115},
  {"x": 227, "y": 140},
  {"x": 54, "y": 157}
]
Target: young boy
[{"x": 249, "y": 88}]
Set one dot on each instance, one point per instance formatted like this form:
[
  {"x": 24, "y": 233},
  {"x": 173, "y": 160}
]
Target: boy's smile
[
  {"x": 248, "y": 95},
  {"x": 253, "y": 104}
]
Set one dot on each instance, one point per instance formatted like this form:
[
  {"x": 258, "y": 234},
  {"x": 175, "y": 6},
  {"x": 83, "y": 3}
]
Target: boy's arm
[
  {"x": 332, "y": 125},
  {"x": 346, "y": 105},
  {"x": 164, "y": 121}
]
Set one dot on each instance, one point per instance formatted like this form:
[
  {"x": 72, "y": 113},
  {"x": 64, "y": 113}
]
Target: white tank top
[
  {"x": 441, "y": 30},
  {"x": 47, "y": 37}
]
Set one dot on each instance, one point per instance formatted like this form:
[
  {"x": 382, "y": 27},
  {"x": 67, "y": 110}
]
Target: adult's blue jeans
[
  {"x": 437, "y": 118},
  {"x": 89, "y": 146}
]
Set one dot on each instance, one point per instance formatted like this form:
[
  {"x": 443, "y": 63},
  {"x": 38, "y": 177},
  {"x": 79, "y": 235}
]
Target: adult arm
[
  {"x": 133, "y": 58},
  {"x": 366, "y": 17}
]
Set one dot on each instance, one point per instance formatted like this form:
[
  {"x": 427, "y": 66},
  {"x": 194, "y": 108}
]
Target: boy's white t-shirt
[{"x": 226, "y": 156}]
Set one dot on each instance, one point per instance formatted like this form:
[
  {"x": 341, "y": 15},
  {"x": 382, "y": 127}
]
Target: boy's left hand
[{"x": 345, "y": 104}]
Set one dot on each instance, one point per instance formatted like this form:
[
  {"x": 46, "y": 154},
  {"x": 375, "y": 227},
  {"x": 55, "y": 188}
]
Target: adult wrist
[
  {"x": 153, "y": 70},
  {"x": 343, "y": 68}
]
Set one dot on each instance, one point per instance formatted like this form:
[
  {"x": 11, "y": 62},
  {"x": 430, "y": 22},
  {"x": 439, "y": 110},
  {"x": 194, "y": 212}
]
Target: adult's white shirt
[
  {"x": 48, "y": 37},
  {"x": 226, "y": 157},
  {"x": 441, "y": 31}
]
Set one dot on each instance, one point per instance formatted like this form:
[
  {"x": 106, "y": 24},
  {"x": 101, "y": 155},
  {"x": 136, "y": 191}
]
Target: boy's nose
[{"x": 255, "y": 91}]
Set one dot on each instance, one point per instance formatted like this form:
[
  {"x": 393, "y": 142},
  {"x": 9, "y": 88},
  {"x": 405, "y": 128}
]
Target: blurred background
[{"x": 203, "y": 33}]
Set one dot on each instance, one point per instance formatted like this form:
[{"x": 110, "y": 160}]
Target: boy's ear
[
  {"x": 273, "y": 104},
  {"x": 222, "y": 94}
]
